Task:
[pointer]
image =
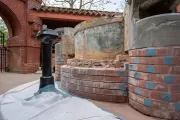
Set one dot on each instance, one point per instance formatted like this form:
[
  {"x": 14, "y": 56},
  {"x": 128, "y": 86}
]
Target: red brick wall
[
  {"x": 24, "y": 48},
  {"x": 178, "y": 8},
  {"x": 104, "y": 84},
  {"x": 154, "y": 81},
  {"x": 33, "y": 54},
  {"x": 33, "y": 2},
  {"x": 16, "y": 58}
]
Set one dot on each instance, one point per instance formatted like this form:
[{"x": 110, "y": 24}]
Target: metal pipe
[{"x": 47, "y": 37}]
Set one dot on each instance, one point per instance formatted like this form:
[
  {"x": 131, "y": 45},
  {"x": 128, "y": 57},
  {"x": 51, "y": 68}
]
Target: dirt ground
[{"x": 11, "y": 80}]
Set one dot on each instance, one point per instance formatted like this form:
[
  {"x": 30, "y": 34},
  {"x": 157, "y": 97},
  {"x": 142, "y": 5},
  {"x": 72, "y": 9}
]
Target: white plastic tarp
[{"x": 47, "y": 106}]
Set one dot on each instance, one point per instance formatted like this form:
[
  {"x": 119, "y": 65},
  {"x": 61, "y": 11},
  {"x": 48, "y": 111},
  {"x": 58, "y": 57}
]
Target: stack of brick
[
  {"x": 59, "y": 60},
  {"x": 154, "y": 81},
  {"x": 63, "y": 50},
  {"x": 104, "y": 84}
]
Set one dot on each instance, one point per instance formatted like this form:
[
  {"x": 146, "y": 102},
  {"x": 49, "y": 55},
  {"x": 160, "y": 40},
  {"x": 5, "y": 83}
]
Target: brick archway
[{"x": 23, "y": 47}]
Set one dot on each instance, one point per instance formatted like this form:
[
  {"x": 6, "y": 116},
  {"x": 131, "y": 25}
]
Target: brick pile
[
  {"x": 92, "y": 63},
  {"x": 59, "y": 61},
  {"x": 104, "y": 84},
  {"x": 63, "y": 50},
  {"x": 154, "y": 81}
]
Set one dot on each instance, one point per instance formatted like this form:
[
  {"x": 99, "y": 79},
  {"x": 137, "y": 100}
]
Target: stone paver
[
  {"x": 11, "y": 80},
  {"x": 123, "y": 110}
]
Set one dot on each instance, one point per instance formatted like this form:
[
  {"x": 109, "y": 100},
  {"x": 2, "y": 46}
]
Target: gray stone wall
[{"x": 99, "y": 39}]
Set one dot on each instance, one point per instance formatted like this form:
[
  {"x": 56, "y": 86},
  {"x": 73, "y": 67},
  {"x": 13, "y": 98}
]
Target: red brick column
[
  {"x": 104, "y": 84},
  {"x": 24, "y": 55},
  {"x": 154, "y": 81},
  {"x": 24, "y": 49},
  {"x": 178, "y": 8}
]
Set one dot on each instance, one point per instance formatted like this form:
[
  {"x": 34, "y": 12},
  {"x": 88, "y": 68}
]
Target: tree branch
[
  {"x": 97, "y": 4},
  {"x": 90, "y": 2},
  {"x": 45, "y": 2},
  {"x": 90, "y": 6},
  {"x": 80, "y": 4},
  {"x": 74, "y": 1},
  {"x": 63, "y": 1},
  {"x": 71, "y": 3}
]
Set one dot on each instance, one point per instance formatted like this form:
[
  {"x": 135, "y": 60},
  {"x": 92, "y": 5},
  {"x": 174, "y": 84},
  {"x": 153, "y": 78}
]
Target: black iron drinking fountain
[{"x": 47, "y": 37}]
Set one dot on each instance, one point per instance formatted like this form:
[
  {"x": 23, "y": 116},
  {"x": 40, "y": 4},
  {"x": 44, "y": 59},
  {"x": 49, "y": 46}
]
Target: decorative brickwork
[{"x": 154, "y": 81}]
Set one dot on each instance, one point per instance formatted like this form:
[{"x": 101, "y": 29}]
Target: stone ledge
[{"x": 95, "y": 71}]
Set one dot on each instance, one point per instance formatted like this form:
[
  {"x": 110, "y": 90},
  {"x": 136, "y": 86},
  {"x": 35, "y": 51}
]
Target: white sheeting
[{"x": 47, "y": 106}]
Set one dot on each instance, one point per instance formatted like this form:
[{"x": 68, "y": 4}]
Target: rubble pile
[{"x": 91, "y": 63}]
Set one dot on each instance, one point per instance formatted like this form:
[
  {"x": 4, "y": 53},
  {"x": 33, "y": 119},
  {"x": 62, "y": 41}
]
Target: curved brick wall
[
  {"x": 154, "y": 81},
  {"x": 95, "y": 83}
]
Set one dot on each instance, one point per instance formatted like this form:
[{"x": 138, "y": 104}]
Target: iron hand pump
[{"x": 47, "y": 37}]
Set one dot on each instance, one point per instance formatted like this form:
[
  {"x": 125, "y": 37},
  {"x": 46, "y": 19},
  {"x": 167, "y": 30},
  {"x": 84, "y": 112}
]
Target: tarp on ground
[{"x": 21, "y": 103}]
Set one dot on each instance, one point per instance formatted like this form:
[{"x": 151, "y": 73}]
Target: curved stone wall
[
  {"x": 100, "y": 38},
  {"x": 154, "y": 81},
  {"x": 157, "y": 31},
  {"x": 105, "y": 84}
]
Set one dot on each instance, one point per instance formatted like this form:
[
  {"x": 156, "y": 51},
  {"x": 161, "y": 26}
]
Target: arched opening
[
  {"x": 10, "y": 28},
  {"x": 3, "y": 48},
  {"x": 23, "y": 55},
  {"x": 149, "y": 8},
  {"x": 4, "y": 31},
  {"x": 11, "y": 20}
]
